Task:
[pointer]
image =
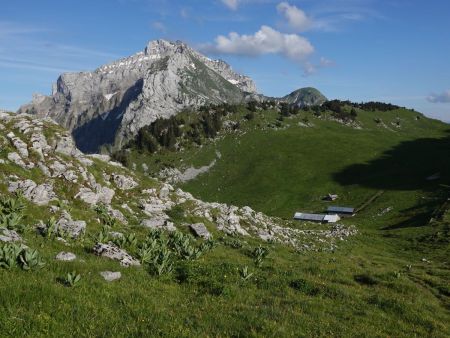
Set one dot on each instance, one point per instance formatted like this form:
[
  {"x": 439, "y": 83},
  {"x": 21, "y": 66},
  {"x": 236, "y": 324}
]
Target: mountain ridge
[{"x": 121, "y": 97}]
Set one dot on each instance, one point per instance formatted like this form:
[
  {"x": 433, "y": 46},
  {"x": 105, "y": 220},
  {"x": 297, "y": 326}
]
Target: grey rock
[
  {"x": 100, "y": 195},
  {"x": 16, "y": 159},
  {"x": 132, "y": 92},
  {"x": 112, "y": 251},
  {"x": 111, "y": 276},
  {"x": 71, "y": 228},
  {"x": 200, "y": 230},
  {"x": 19, "y": 145},
  {"x": 65, "y": 256},
  {"x": 39, "y": 194},
  {"x": 7, "y": 235},
  {"x": 124, "y": 182},
  {"x": 66, "y": 146}
]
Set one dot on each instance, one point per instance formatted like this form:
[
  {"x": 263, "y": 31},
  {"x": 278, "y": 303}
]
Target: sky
[{"x": 384, "y": 50}]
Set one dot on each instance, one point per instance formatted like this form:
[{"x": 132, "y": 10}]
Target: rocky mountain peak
[{"x": 121, "y": 97}]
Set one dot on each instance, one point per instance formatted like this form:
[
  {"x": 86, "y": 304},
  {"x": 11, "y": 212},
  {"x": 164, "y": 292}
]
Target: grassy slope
[{"x": 364, "y": 288}]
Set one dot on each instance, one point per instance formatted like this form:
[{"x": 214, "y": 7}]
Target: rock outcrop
[{"x": 122, "y": 97}]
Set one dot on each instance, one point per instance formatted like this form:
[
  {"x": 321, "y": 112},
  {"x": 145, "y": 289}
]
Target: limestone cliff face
[{"x": 109, "y": 105}]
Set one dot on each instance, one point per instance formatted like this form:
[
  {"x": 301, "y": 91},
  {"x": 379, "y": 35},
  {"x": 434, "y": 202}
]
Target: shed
[
  {"x": 341, "y": 210},
  {"x": 300, "y": 216}
]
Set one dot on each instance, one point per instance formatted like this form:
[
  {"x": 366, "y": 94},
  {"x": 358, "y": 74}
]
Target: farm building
[
  {"x": 300, "y": 216},
  {"x": 341, "y": 211}
]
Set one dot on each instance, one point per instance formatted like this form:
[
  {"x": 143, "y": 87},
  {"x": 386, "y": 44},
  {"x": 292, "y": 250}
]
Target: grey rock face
[
  {"x": 124, "y": 182},
  {"x": 65, "y": 256},
  {"x": 72, "y": 228},
  {"x": 112, "y": 251},
  {"x": 111, "y": 276},
  {"x": 9, "y": 236},
  {"x": 122, "y": 97},
  {"x": 38, "y": 194},
  {"x": 200, "y": 230}
]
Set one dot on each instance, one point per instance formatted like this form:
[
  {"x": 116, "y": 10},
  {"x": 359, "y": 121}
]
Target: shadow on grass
[
  {"x": 404, "y": 167},
  {"x": 409, "y": 166}
]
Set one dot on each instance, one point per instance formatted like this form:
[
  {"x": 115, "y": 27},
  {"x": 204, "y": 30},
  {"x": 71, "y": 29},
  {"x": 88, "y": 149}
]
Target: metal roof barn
[
  {"x": 341, "y": 210},
  {"x": 309, "y": 217}
]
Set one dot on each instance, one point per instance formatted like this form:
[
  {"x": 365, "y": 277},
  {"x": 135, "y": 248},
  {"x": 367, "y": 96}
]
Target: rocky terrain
[
  {"x": 130, "y": 93},
  {"x": 40, "y": 162}
]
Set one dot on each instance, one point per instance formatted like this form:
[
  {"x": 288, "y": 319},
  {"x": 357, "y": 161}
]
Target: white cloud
[
  {"x": 440, "y": 98},
  {"x": 231, "y": 4},
  {"x": 159, "y": 26},
  {"x": 296, "y": 19},
  {"x": 265, "y": 41},
  {"x": 324, "y": 62}
]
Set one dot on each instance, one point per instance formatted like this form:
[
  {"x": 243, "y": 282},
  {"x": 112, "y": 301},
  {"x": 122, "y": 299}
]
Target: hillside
[
  {"x": 390, "y": 160},
  {"x": 78, "y": 220}
]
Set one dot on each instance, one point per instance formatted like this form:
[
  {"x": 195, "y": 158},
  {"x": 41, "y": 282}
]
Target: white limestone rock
[
  {"x": 38, "y": 194},
  {"x": 111, "y": 276},
  {"x": 112, "y": 251},
  {"x": 65, "y": 256}
]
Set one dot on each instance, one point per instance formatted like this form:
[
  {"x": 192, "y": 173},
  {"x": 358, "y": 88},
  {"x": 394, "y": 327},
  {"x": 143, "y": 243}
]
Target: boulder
[
  {"x": 111, "y": 276},
  {"x": 7, "y": 235},
  {"x": 65, "y": 256},
  {"x": 112, "y": 251},
  {"x": 200, "y": 230},
  {"x": 71, "y": 228},
  {"x": 39, "y": 194},
  {"x": 124, "y": 182}
]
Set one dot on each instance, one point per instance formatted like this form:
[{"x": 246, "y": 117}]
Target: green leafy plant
[
  {"x": 30, "y": 259},
  {"x": 72, "y": 279},
  {"x": 162, "y": 263},
  {"x": 104, "y": 215},
  {"x": 259, "y": 254},
  {"x": 9, "y": 255},
  {"x": 11, "y": 213},
  {"x": 245, "y": 273}
]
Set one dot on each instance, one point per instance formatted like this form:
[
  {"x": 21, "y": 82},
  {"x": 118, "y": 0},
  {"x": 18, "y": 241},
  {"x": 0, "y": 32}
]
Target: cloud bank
[
  {"x": 231, "y": 4},
  {"x": 295, "y": 18},
  {"x": 265, "y": 41},
  {"x": 440, "y": 98}
]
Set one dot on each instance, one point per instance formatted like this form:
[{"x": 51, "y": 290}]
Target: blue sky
[{"x": 392, "y": 50}]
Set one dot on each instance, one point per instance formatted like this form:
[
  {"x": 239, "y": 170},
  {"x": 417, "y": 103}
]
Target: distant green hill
[{"x": 305, "y": 97}]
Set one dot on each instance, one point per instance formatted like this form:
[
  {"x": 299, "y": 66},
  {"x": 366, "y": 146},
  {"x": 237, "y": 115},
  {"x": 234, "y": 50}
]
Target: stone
[
  {"x": 7, "y": 235},
  {"x": 112, "y": 251},
  {"x": 101, "y": 195},
  {"x": 19, "y": 145},
  {"x": 16, "y": 159},
  {"x": 65, "y": 256},
  {"x": 200, "y": 230},
  {"x": 66, "y": 146},
  {"x": 124, "y": 182},
  {"x": 111, "y": 276},
  {"x": 159, "y": 223},
  {"x": 71, "y": 228},
  {"x": 39, "y": 194}
]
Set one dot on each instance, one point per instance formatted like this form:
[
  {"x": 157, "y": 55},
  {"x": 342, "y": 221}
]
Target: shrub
[
  {"x": 259, "y": 254},
  {"x": 72, "y": 279},
  {"x": 245, "y": 273},
  {"x": 12, "y": 255}
]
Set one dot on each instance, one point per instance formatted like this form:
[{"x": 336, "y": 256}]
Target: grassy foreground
[{"x": 391, "y": 280}]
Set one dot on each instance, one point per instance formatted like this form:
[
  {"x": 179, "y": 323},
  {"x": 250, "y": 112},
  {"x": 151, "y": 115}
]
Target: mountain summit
[{"x": 109, "y": 105}]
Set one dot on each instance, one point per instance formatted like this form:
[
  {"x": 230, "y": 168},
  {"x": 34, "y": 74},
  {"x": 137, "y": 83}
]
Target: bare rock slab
[
  {"x": 65, "y": 256},
  {"x": 110, "y": 276},
  {"x": 112, "y": 251},
  {"x": 200, "y": 230}
]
